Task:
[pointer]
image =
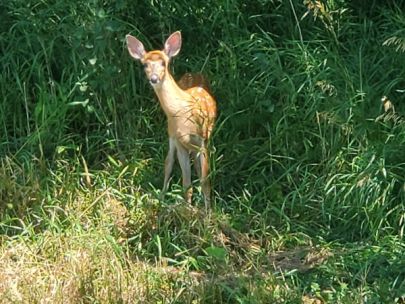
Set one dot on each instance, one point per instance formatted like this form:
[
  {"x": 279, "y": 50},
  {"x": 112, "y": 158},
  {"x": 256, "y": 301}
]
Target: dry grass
[
  {"x": 308, "y": 166},
  {"x": 75, "y": 269}
]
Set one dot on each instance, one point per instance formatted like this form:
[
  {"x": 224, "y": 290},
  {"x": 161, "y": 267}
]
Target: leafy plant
[{"x": 308, "y": 161}]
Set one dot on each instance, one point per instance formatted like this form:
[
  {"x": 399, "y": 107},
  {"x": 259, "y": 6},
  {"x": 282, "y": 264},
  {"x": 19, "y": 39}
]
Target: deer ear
[
  {"x": 135, "y": 47},
  {"x": 173, "y": 44}
]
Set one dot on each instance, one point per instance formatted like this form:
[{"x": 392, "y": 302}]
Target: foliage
[{"x": 309, "y": 162}]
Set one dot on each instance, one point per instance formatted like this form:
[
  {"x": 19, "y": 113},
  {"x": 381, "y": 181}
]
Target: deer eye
[{"x": 145, "y": 65}]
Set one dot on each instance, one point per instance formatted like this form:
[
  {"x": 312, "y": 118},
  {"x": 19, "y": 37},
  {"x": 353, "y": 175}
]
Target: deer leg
[
  {"x": 169, "y": 161},
  {"x": 197, "y": 163},
  {"x": 184, "y": 159},
  {"x": 204, "y": 178}
]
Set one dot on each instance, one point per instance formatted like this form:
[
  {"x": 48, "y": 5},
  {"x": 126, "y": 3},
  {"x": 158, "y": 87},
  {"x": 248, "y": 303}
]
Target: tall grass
[{"x": 309, "y": 169}]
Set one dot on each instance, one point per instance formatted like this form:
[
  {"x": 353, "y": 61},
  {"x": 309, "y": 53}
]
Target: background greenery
[{"x": 308, "y": 168}]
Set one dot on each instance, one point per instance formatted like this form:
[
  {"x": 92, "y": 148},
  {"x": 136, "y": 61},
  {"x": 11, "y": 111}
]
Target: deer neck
[{"x": 171, "y": 97}]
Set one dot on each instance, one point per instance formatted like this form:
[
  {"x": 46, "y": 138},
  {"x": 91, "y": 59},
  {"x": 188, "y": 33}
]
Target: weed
[{"x": 308, "y": 166}]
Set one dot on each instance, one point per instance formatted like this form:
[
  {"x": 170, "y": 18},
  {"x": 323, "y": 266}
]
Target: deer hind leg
[
  {"x": 197, "y": 163},
  {"x": 169, "y": 161},
  {"x": 204, "y": 178},
  {"x": 183, "y": 156}
]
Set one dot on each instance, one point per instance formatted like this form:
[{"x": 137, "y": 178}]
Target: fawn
[{"x": 190, "y": 110}]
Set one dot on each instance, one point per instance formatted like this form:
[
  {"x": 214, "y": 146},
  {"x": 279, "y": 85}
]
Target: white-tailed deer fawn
[{"x": 190, "y": 111}]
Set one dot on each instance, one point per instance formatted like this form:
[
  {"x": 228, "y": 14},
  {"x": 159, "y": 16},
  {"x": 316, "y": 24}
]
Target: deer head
[{"x": 156, "y": 62}]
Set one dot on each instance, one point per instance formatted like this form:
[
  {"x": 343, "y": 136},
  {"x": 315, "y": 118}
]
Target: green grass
[{"x": 308, "y": 169}]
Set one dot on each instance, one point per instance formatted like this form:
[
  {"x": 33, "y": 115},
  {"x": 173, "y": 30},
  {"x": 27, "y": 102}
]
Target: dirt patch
[{"x": 301, "y": 259}]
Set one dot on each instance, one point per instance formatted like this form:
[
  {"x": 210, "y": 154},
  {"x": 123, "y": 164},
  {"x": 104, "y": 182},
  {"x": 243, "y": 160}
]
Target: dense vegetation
[{"x": 308, "y": 165}]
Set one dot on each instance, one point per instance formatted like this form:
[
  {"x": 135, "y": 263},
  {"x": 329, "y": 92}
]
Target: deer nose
[{"x": 154, "y": 79}]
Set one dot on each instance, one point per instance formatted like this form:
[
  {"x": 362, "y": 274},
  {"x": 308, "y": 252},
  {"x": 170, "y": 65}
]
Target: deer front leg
[
  {"x": 184, "y": 159},
  {"x": 169, "y": 161}
]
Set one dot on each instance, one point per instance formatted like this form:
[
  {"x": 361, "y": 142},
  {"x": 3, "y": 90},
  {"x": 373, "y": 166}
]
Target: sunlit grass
[{"x": 308, "y": 168}]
